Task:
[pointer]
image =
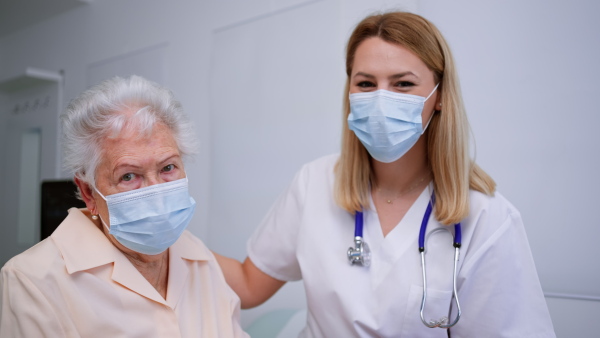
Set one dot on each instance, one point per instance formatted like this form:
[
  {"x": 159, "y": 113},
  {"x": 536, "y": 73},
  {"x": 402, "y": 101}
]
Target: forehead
[
  {"x": 137, "y": 144},
  {"x": 375, "y": 55}
]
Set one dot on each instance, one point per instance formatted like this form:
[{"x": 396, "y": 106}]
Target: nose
[{"x": 153, "y": 179}]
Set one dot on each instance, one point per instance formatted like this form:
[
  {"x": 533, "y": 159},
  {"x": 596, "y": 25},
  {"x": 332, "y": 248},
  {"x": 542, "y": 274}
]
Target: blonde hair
[{"x": 454, "y": 172}]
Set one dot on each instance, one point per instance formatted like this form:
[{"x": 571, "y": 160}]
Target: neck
[
  {"x": 139, "y": 259},
  {"x": 404, "y": 173},
  {"x": 154, "y": 268}
]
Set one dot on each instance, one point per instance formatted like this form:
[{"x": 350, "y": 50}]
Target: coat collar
[{"x": 83, "y": 247}]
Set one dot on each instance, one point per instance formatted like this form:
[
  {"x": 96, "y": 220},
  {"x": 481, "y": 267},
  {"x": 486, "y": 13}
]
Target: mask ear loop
[
  {"x": 433, "y": 91},
  {"x": 427, "y": 125},
  {"x": 101, "y": 220},
  {"x": 431, "y": 117},
  {"x": 99, "y": 193}
]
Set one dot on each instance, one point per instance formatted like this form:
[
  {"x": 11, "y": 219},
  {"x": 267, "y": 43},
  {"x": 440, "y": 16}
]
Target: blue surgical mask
[
  {"x": 388, "y": 124},
  {"x": 149, "y": 220}
]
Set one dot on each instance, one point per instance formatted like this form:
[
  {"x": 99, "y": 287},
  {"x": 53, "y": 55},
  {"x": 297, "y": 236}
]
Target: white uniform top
[{"x": 306, "y": 236}]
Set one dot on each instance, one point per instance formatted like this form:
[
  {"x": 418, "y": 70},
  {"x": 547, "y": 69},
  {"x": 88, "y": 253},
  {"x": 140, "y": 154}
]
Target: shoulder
[
  {"x": 327, "y": 161},
  {"x": 496, "y": 265},
  {"x": 31, "y": 278},
  {"x": 190, "y": 238},
  {"x": 193, "y": 249},
  {"x": 36, "y": 263},
  {"x": 491, "y": 206},
  {"x": 491, "y": 217},
  {"x": 492, "y": 220},
  {"x": 318, "y": 170},
  {"x": 190, "y": 247},
  {"x": 28, "y": 294},
  {"x": 322, "y": 164}
]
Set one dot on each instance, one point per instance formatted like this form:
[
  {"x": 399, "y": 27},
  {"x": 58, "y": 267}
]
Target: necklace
[{"x": 404, "y": 192}]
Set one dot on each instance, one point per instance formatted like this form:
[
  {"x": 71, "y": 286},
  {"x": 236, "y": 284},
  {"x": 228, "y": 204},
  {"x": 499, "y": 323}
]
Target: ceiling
[{"x": 18, "y": 14}]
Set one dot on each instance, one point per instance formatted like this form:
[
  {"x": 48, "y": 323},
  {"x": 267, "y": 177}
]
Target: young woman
[{"x": 404, "y": 151}]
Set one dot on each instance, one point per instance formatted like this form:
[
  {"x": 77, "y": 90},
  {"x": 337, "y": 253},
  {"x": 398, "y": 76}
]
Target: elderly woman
[
  {"x": 403, "y": 174},
  {"x": 125, "y": 266}
]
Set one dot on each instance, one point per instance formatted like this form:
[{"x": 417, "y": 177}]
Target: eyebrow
[
  {"x": 169, "y": 158},
  {"x": 400, "y": 75},
  {"x": 134, "y": 166},
  {"x": 395, "y": 76}
]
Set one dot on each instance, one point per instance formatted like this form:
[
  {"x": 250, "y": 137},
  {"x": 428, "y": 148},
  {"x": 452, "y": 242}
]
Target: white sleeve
[
  {"x": 498, "y": 287},
  {"x": 272, "y": 247}
]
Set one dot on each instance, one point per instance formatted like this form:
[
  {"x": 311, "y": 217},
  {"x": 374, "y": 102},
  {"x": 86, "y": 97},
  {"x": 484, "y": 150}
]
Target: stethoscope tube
[
  {"x": 358, "y": 222},
  {"x": 443, "y": 322},
  {"x": 361, "y": 255}
]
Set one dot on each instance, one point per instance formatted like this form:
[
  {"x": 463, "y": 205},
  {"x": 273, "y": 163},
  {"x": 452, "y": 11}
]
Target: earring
[{"x": 95, "y": 217}]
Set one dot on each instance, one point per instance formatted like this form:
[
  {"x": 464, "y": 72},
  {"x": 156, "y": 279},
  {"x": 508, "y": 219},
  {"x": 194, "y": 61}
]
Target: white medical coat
[{"x": 306, "y": 235}]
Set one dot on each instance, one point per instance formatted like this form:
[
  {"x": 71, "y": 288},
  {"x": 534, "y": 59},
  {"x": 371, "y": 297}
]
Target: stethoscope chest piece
[{"x": 360, "y": 254}]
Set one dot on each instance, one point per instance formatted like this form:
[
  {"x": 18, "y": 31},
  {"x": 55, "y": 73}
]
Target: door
[{"x": 29, "y": 126}]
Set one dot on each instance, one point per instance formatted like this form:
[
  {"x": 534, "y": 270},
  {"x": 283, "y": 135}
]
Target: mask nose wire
[{"x": 104, "y": 197}]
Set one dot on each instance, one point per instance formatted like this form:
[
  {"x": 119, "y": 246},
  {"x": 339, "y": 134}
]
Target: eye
[
  {"x": 168, "y": 167},
  {"x": 127, "y": 177},
  {"x": 365, "y": 84},
  {"x": 404, "y": 84}
]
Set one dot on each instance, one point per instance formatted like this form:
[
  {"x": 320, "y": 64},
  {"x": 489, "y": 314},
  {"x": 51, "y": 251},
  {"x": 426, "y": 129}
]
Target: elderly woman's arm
[{"x": 253, "y": 286}]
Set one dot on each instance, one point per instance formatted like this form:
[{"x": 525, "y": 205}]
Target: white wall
[
  {"x": 107, "y": 31},
  {"x": 28, "y": 110},
  {"x": 529, "y": 73},
  {"x": 280, "y": 61},
  {"x": 260, "y": 76}
]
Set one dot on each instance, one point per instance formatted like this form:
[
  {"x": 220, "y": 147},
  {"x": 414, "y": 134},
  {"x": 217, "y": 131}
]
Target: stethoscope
[{"x": 361, "y": 255}]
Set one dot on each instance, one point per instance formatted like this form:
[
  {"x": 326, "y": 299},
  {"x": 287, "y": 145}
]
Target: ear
[
  {"x": 86, "y": 192},
  {"x": 438, "y": 104},
  {"x": 438, "y": 99}
]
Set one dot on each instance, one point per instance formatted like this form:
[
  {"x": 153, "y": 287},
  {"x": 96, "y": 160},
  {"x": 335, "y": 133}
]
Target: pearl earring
[{"x": 95, "y": 217}]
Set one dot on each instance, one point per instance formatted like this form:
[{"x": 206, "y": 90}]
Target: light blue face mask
[
  {"x": 388, "y": 124},
  {"x": 149, "y": 220}
]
